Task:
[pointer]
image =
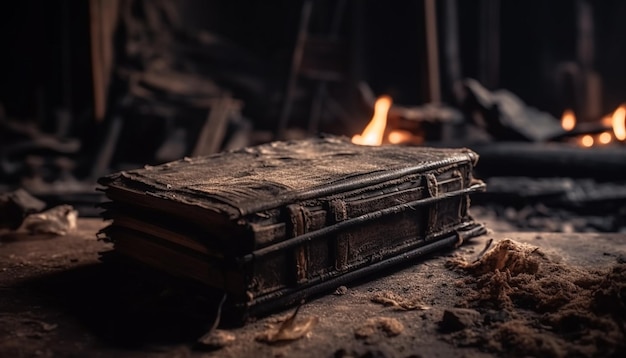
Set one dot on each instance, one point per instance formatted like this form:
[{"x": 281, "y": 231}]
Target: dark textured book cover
[{"x": 280, "y": 219}]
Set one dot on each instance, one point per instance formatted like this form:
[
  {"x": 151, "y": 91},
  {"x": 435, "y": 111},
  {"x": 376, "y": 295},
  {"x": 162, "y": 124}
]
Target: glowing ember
[
  {"x": 399, "y": 136},
  {"x": 619, "y": 125},
  {"x": 373, "y": 133},
  {"x": 586, "y": 141},
  {"x": 568, "y": 120},
  {"x": 605, "y": 138}
]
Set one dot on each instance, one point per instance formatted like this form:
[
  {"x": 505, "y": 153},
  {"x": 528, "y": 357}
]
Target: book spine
[
  {"x": 339, "y": 213},
  {"x": 299, "y": 224}
]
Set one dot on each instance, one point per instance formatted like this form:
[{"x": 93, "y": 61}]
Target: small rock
[
  {"x": 341, "y": 290},
  {"x": 456, "y": 319}
]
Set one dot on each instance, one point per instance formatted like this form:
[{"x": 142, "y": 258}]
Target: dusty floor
[{"x": 58, "y": 299}]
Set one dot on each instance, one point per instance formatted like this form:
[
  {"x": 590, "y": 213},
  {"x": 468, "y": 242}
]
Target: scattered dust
[
  {"x": 515, "y": 257},
  {"x": 388, "y": 298},
  {"x": 518, "y": 338},
  {"x": 389, "y": 326},
  {"x": 551, "y": 309}
]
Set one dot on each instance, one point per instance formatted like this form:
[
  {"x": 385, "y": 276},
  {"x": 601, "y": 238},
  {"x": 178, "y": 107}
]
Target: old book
[{"x": 272, "y": 224}]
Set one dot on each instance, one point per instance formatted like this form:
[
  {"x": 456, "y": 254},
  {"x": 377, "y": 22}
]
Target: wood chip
[
  {"x": 217, "y": 339},
  {"x": 289, "y": 330},
  {"x": 388, "y": 298}
]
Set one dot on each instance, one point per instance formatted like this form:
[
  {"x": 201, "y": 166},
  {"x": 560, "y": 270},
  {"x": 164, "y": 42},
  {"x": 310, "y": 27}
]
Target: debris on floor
[
  {"x": 533, "y": 304},
  {"x": 388, "y": 298},
  {"x": 514, "y": 257},
  {"x": 15, "y": 206},
  {"x": 216, "y": 339},
  {"x": 390, "y": 327},
  {"x": 341, "y": 290},
  {"x": 59, "y": 220},
  {"x": 456, "y": 319},
  {"x": 288, "y": 330}
]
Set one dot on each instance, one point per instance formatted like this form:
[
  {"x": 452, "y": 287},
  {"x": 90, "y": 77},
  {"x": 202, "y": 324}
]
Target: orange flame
[
  {"x": 373, "y": 133},
  {"x": 568, "y": 120},
  {"x": 619, "y": 122},
  {"x": 605, "y": 138},
  {"x": 397, "y": 136},
  {"x": 587, "y": 141}
]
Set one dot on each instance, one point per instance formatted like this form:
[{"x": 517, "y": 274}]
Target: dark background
[{"x": 45, "y": 64}]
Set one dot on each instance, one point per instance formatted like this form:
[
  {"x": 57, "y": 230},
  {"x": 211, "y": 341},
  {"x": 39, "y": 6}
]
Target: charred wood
[
  {"x": 551, "y": 160},
  {"x": 506, "y": 117}
]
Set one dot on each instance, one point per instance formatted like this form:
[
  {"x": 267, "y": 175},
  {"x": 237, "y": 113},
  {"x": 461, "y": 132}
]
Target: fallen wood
[
  {"x": 212, "y": 133},
  {"x": 550, "y": 160},
  {"x": 582, "y": 129},
  {"x": 560, "y": 191},
  {"x": 506, "y": 117},
  {"x": 15, "y": 206}
]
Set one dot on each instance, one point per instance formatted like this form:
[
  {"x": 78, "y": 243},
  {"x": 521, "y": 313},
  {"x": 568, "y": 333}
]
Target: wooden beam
[{"x": 104, "y": 18}]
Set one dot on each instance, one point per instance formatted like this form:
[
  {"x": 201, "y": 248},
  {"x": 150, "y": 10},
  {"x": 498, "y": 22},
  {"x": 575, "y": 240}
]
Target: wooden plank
[
  {"x": 212, "y": 133},
  {"x": 103, "y": 22}
]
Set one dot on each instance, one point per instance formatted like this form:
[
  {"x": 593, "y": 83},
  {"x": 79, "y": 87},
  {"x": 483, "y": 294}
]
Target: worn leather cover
[{"x": 280, "y": 219}]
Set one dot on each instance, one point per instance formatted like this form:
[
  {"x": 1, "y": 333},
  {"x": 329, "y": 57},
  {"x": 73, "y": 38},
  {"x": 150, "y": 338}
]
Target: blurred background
[{"x": 536, "y": 87}]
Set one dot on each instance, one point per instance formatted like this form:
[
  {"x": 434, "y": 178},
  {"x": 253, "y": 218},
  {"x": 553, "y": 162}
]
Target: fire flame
[
  {"x": 619, "y": 123},
  {"x": 568, "y": 120},
  {"x": 587, "y": 141},
  {"x": 605, "y": 138},
  {"x": 373, "y": 133},
  {"x": 397, "y": 136}
]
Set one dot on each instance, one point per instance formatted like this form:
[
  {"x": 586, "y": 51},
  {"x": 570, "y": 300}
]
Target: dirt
[
  {"x": 534, "y": 304},
  {"x": 59, "y": 299},
  {"x": 386, "y": 325},
  {"x": 391, "y": 299}
]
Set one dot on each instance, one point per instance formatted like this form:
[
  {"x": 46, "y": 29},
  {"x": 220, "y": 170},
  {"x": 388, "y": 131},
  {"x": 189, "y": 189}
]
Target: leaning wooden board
[{"x": 272, "y": 224}]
